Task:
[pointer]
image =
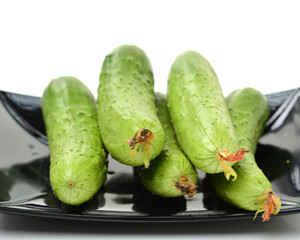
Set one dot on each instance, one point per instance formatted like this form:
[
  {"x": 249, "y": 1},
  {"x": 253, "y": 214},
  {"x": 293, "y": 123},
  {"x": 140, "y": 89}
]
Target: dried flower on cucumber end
[
  {"x": 224, "y": 155},
  {"x": 141, "y": 139},
  {"x": 268, "y": 204},
  {"x": 186, "y": 186}
]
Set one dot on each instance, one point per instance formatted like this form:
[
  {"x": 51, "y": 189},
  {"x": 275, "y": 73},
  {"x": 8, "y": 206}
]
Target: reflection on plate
[{"x": 25, "y": 187}]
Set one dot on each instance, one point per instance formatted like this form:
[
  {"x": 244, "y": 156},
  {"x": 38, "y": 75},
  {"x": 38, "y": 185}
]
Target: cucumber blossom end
[
  {"x": 269, "y": 204},
  {"x": 141, "y": 139},
  {"x": 186, "y": 186},
  {"x": 224, "y": 155}
]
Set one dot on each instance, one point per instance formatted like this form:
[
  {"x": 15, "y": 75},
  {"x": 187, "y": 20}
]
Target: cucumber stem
[
  {"x": 141, "y": 136},
  {"x": 269, "y": 204},
  {"x": 224, "y": 155},
  {"x": 186, "y": 186}
]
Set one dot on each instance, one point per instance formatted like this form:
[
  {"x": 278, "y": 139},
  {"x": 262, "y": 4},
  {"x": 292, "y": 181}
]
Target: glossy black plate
[{"x": 25, "y": 187}]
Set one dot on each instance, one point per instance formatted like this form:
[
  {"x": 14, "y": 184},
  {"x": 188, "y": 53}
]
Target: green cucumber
[
  {"x": 78, "y": 164},
  {"x": 249, "y": 111},
  {"x": 200, "y": 115},
  {"x": 171, "y": 174},
  {"x": 126, "y": 107}
]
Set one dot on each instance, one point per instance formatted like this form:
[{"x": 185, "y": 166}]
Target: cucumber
[
  {"x": 78, "y": 164},
  {"x": 126, "y": 107},
  {"x": 249, "y": 111},
  {"x": 171, "y": 174},
  {"x": 200, "y": 115}
]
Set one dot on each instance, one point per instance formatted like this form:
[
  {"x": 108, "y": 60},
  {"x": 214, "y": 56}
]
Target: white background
[{"x": 249, "y": 43}]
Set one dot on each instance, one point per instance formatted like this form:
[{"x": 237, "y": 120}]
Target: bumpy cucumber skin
[
  {"x": 126, "y": 103},
  {"x": 249, "y": 111},
  {"x": 170, "y": 163},
  {"x": 77, "y": 153},
  {"x": 199, "y": 112}
]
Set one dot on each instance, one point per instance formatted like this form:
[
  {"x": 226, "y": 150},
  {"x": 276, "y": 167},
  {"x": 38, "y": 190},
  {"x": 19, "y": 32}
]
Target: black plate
[{"x": 25, "y": 187}]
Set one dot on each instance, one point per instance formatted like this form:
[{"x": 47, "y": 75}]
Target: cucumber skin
[
  {"x": 170, "y": 163},
  {"x": 245, "y": 104},
  {"x": 126, "y": 103},
  {"x": 199, "y": 112},
  {"x": 76, "y": 151},
  {"x": 249, "y": 111}
]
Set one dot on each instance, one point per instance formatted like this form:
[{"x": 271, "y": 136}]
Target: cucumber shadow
[{"x": 145, "y": 202}]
